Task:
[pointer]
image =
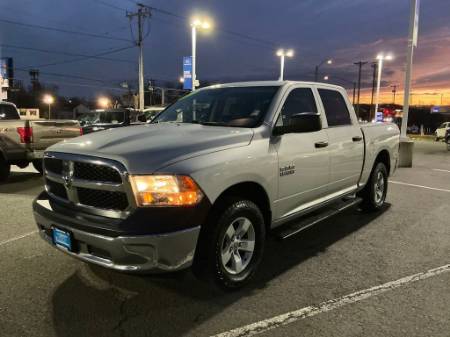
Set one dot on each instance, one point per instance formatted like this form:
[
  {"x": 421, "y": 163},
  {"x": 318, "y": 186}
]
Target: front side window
[
  {"x": 335, "y": 108},
  {"x": 8, "y": 112},
  {"x": 232, "y": 106},
  {"x": 300, "y": 100}
]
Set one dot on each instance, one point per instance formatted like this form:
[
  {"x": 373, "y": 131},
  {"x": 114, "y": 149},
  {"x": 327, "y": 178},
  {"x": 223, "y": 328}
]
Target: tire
[
  {"x": 5, "y": 169},
  {"x": 374, "y": 193},
  {"x": 37, "y": 164},
  {"x": 224, "y": 254}
]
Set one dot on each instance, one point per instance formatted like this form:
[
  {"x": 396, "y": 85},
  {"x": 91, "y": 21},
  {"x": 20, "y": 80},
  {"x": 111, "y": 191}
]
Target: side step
[{"x": 307, "y": 221}]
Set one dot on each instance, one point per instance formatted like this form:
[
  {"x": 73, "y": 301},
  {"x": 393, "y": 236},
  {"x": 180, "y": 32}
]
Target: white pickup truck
[
  {"x": 23, "y": 141},
  {"x": 206, "y": 182}
]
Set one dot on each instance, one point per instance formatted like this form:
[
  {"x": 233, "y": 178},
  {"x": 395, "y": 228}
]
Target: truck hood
[{"x": 146, "y": 148}]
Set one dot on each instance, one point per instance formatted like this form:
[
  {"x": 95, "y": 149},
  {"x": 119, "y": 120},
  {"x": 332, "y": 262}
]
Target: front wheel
[
  {"x": 374, "y": 193},
  {"x": 232, "y": 244}
]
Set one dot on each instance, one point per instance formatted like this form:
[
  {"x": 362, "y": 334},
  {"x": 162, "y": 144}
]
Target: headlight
[{"x": 165, "y": 190}]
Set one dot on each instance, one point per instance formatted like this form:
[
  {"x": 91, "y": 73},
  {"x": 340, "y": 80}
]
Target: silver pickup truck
[
  {"x": 23, "y": 141},
  {"x": 206, "y": 182}
]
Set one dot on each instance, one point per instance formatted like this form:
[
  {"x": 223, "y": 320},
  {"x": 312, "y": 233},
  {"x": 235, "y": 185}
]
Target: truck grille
[{"x": 90, "y": 183}]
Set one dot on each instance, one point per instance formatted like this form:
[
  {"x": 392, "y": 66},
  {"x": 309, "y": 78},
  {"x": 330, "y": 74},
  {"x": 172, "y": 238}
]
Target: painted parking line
[
  {"x": 441, "y": 170},
  {"x": 313, "y": 310},
  {"x": 419, "y": 186},
  {"x": 17, "y": 238}
]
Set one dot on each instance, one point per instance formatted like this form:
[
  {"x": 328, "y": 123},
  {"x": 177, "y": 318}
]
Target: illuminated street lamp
[
  {"x": 48, "y": 99},
  {"x": 316, "y": 71},
  {"x": 281, "y": 53},
  {"x": 381, "y": 58},
  {"x": 103, "y": 102},
  {"x": 326, "y": 78},
  {"x": 196, "y": 23},
  {"x": 181, "y": 79}
]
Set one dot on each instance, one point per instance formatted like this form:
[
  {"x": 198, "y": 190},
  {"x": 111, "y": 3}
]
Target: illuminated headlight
[{"x": 165, "y": 190}]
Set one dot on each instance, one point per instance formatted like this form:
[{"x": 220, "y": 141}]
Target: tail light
[
  {"x": 81, "y": 131},
  {"x": 26, "y": 134}
]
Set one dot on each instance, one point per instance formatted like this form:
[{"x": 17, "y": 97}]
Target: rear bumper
[{"x": 140, "y": 253}]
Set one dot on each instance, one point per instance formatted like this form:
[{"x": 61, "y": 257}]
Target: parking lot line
[
  {"x": 313, "y": 310},
  {"x": 419, "y": 186},
  {"x": 17, "y": 238},
  {"x": 441, "y": 170}
]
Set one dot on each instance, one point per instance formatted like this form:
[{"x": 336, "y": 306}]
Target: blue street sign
[
  {"x": 187, "y": 72},
  {"x": 379, "y": 117}
]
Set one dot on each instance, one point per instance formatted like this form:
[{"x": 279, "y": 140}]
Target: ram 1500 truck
[
  {"x": 23, "y": 141},
  {"x": 204, "y": 184}
]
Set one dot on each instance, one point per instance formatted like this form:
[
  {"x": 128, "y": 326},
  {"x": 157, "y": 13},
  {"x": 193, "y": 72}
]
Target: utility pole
[
  {"x": 412, "y": 42},
  {"x": 354, "y": 92},
  {"x": 359, "y": 64},
  {"x": 142, "y": 13},
  {"x": 374, "y": 83},
  {"x": 394, "y": 91}
]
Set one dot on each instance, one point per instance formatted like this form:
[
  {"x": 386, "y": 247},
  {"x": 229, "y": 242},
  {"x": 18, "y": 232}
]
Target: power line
[
  {"x": 62, "y": 75},
  {"x": 99, "y": 56},
  {"x": 60, "y": 30},
  {"x": 110, "y": 5}
]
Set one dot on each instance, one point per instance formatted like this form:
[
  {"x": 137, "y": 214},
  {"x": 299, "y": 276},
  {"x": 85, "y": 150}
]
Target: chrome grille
[{"x": 98, "y": 186}]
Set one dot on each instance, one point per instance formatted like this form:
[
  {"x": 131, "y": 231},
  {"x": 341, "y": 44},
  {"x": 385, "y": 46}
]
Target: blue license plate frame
[{"x": 62, "y": 239}]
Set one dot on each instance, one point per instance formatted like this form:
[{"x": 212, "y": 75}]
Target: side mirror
[{"x": 300, "y": 123}]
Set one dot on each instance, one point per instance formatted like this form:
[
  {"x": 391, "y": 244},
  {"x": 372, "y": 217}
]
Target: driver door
[{"x": 303, "y": 158}]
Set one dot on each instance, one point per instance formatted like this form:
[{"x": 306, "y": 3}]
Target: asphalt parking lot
[{"x": 385, "y": 274}]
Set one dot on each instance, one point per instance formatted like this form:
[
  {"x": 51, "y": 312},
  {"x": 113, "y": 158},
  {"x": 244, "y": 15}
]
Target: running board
[{"x": 310, "y": 220}]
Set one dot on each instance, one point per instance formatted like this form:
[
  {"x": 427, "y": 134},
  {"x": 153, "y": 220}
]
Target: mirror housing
[{"x": 300, "y": 123}]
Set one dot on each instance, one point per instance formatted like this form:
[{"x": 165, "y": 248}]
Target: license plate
[{"x": 62, "y": 239}]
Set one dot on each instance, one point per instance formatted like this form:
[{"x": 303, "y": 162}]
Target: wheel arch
[
  {"x": 252, "y": 191},
  {"x": 383, "y": 157}
]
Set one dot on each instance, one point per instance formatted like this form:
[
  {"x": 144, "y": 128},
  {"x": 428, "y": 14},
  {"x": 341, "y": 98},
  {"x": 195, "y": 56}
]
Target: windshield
[
  {"x": 233, "y": 106},
  {"x": 8, "y": 112}
]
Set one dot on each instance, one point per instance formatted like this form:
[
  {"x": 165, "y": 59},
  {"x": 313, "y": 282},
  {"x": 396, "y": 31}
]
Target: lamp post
[
  {"x": 316, "y": 71},
  {"x": 48, "y": 99},
  {"x": 196, "y": 24},
  {"x": 381, "y": 58},
  {"x": 281, "y": 53}
]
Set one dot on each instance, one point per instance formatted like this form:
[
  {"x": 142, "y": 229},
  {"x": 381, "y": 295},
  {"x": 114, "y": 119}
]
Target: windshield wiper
[{"x": 210, "y": 123}]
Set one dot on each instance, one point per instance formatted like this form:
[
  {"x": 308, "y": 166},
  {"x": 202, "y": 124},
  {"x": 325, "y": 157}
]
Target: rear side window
[
  {"x": 335, "y": 108},
  {"x": 299, "y": 100},
  {"x": 8, "y": 112}
]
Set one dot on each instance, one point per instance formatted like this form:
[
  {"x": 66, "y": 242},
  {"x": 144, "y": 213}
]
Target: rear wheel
[
  {"x": 231, "y": 246},
  {"x": 374, "y": 193},
  {"x": 37, "y": 164},
  {"x": 5, "y": 169}
]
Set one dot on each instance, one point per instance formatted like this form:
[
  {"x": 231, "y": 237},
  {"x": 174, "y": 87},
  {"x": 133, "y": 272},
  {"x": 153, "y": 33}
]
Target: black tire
[
  {"x": 373, "y": 200},
  {"x": 5, "y": 169},
  {"x": 37, "y": 164},
  {"x": 208, "y": 262}
]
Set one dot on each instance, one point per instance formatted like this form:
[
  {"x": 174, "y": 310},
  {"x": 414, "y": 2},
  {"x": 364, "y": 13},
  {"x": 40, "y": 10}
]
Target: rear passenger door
[{"x": 346, "y": 143}]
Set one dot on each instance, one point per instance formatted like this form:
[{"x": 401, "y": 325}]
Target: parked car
[
  {"x": 23, "y": 141},
  {"x": 204, "y": 184},
  {"x": 99, "y": 120},
  {"x": 440, "y": 131}
]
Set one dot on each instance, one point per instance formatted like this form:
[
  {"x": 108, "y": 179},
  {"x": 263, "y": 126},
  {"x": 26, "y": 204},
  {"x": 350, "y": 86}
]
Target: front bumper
[
  {"x": 34, "y": 155},
  {"x": 138, "y": 253}
]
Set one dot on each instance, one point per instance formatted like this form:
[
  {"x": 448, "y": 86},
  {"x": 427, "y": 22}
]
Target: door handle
[
  {"x": 321, "y": 144},
  {"x": 357, "y": 138}
]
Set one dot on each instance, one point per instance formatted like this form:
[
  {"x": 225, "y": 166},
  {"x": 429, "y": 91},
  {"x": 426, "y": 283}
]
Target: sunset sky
[{"x": 344, "y": 30}]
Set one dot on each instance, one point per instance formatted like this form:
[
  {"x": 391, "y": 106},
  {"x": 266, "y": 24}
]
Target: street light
[
  {"x": 282, "y": 54},
  {"x": 316, "y": 71},
  {"x": 103, "y": 102},
  {"x": 48, "y": 99},
  {"x": 196, "y": 23},
  {"x": 181, "y": 79},
  {"x": 381, "y": 58},
  {"x": 326, "y": 78}
]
